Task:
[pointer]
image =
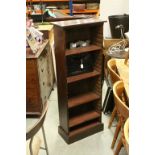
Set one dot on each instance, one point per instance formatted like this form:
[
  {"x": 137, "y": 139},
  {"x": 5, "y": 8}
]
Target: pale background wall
[{"x": 112, "y": 7}]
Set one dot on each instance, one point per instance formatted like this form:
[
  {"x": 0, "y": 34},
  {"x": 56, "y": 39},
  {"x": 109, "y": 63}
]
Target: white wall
[{"x": 112, "y": 7}]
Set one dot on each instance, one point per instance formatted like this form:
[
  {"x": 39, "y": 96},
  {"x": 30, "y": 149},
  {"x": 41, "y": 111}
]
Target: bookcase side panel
[{"x": 59, "y": 40}]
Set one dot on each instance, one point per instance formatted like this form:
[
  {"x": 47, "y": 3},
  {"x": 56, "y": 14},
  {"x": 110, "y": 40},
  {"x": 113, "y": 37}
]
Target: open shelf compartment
[
  {"x": 83, "y": 118},
  {"x": 87, "y": 89},
  {"x": 91, "y": 62},
  {"x": 84, "y": 127},
  {"x": 82, "y": 99}
]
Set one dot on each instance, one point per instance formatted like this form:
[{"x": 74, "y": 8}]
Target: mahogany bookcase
[{"x": 79, "y": 96}]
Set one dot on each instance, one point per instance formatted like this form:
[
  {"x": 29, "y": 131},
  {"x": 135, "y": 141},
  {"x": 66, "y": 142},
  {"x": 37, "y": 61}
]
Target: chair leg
[
  {"x": 114, "y": 112},
  {"x": 126, "y": 146},
  {"x": 116, "y": 133},
  {"x": 118, "y": 148},
  {"x": 30, "y": 146},
  {"x": 46, "y": 147}
]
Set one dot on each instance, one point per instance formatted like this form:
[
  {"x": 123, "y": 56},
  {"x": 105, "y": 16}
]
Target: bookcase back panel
[
  {"x": 92, "y": 33},
  {"x": 81, "y": 87},
  {"x": 75, "y": 35},
  {"x": 82, "y": 63},
  {"x": 82, "y": 109}
]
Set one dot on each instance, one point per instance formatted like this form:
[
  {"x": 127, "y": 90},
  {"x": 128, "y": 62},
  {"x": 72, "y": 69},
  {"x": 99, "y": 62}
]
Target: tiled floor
[{"x": 97, "y": 144}]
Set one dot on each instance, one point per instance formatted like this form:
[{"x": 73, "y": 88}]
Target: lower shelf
[
  {"x": 81, "y": 133},
  {"x": 83, "y": 118},
  {"x": 82, "y": 99},
  {"x": 82, "y": 129}
]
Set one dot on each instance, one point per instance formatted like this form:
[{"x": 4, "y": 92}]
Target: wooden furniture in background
[
  {"x": 123, "y": 71},
  {"x": 106, "y": 44},
  {"x": 63, "y": 5},
  {"x": 47, "y": 31},
  {"x": 79, "y": 96},
  {"x": 126, "y": 135},
  {"x": 122, "y": 108},
  {"x": 39, "y": 79},
  {"x": 31, "y": 139},
  {"x": 112, "y": 68}
]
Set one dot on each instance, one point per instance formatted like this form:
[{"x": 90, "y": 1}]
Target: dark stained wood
[
  {"x": 59, "y": 40},
  {"x": 83, "y": 118},
  {"x": 78, "y": 22},
  {"x": 38, "y": 81},
  {"x": 82, "y": 99},
  {"x": 80, "y": 134},
  {"x": 79, "y": 96},
  {"x": 87, "y": 85},
  {"x": 82, "y": 129},
  {"x": 83, "y": 50},
  {"x": 82, "y": 76},
  {"x": 33, "y": 100}
]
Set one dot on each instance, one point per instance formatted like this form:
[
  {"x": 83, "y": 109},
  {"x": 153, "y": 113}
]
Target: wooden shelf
[
  {"x": 48, "y": 0},
  {"x": 53, "y": 1},
  {"x": 66, "y": 11},
  {"x": 79, "y": 50},
  {"x": 80, "y": 11},
  {"x": 82, "y": 99},
  {"x": 83, "y": 129},
  {"x": 83, "y": 118},
  {"x": 83, "y": 76}
]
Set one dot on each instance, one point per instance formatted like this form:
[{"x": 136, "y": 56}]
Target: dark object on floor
[
  {"x": 108, "y": 103},
  {"x": 115, "y": 21}
]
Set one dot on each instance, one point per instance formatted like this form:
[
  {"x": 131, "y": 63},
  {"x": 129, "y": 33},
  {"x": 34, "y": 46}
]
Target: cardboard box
[{"x": 107, "y": 42}]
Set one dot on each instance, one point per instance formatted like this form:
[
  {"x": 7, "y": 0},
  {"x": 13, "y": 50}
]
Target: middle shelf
[
  {"x": 86, "y": 49},
  {"x": 83, "y": 76}
]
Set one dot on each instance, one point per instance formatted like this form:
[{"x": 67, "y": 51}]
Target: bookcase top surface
[{"x": 77, "y": 22}]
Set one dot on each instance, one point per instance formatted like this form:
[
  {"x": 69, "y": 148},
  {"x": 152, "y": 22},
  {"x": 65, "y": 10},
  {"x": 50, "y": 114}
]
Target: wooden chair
[
  {"x": 112, "y": 68},
  {"x": 31, "y": 134},
  {"x": 121, "y": 107},
  {"x": 124, "y": 140}
]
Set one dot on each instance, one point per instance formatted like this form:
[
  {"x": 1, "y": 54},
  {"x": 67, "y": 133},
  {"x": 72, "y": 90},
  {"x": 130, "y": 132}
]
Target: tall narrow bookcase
[{"x": 80, "y": 95}]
